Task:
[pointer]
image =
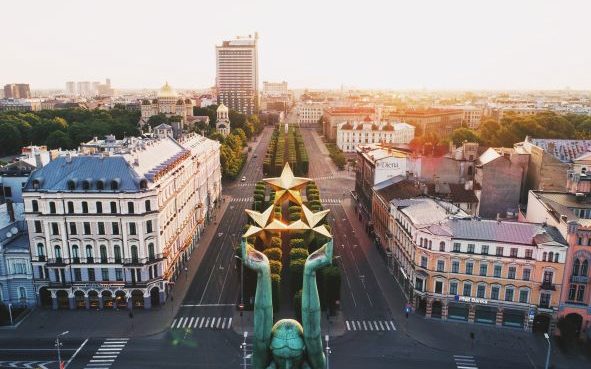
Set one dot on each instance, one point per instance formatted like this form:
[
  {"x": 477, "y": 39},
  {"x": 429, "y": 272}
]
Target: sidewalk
[
  {"x": 453, "y": 336},
  {"x": 85, "y": 323}
]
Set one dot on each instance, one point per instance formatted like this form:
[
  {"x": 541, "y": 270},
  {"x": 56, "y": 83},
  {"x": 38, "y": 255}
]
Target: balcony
[
  {"x": 56, "y": 261},
  {"x": 579, "y": 279},
  {"x": 548, "y": 286}
]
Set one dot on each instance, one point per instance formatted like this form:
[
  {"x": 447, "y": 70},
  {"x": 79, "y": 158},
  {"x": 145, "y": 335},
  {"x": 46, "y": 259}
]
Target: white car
[{"x": 243, "y": 179}]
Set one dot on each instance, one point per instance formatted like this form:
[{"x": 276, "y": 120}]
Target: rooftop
[
  {"x": 425, "y": 211},
  {"x": 564, "y": 150}
]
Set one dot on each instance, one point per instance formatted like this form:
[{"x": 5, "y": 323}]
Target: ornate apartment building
[
  {"x": 485, "y": 271},
  {"x": 115, "y": 229}
]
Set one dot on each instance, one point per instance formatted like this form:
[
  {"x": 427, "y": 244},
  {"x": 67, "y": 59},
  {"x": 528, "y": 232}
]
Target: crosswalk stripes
[
  {"x": 330, "y": 201},
  {"x": 465, "y": 362},
  {"x": 106, "y": 354},
  {"x": 247, "y": 184},
  {"x": 370, "y": 325},
  {"x": 242, "y": 199},
  {"x": 27, "y": 364},
  {"x": 202, "y": 322}
]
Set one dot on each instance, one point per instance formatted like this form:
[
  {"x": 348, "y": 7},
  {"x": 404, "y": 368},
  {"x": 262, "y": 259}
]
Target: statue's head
[{"x": 287, "y": 344}]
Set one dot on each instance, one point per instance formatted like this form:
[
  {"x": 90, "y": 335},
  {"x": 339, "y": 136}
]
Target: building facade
[
  {"x": 237, "y": 74},
  {"x": 439, "y": 121},
  {"x": 222, "y": 124},
  {"x": 350, "y": 135},
  {"x": 334, "y": 116},
  {"x": 485, "y": 271},
  {"x": 169, "y": 103},
  {"x": 309, "y": 112},
  {"x": 116, "y": 230},
  {"x": 17, "y": 91}
]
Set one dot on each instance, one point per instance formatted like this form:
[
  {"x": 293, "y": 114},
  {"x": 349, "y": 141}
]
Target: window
[
  {"x": 70, "y": 207},
  {"x": 132, "y": 228},
  {"x": 115, "y": 227},
  {"x": 498, "y": 271},
  {"x": 438, "y": 287},
  {"x": 523, "y": 296},
  {"x": 117, "y": 253},
  {"x": 58, "y": 253},
  {"x": 481, "y": 291},
  {"x": 84, "y": 207},
  {"x": 101, "y": 228},
  {"x": 453, "y": 288},
  {"x": 469, "y": 267},
  {"x": 556, "y": 258},
  {"x": 119, "y": 274},
  {"x": 467, "y": 289},
  {"x": 455, "y": 266},
  {"x": 441, "y": 246},
  {"x": 40, "y": 251},
  {"x": 548, "y": 276},
  {"x": 103, "y": 251},
  {"x": 471, "y": 248},
  {"x": 55, "y": 229},
  {"x": 483, "y": 269},
  {"x": 37, "y": 224},
  {"x": 77, "y": 275},
  {"x": 545, "y": 300},
  {"x": 550, "y": 256},
  {"x": 499, "y": 251},
  {"x": 35, "y": 206},
  {"x": 130, "y": 209},
  {"x": 581, "y": 293},
  {"x": 512, "y": 272},
  {"x": 544, "y": 255},
  {"x": 584, "y": 268},
  {"x": 457, "y": 247},
  {"x": 526, "y": 274},
  {"x": 509, "y": 294},
  {"x": 419, "y": 284},
  {"x": 89, "y": 258},
  {"x": 75, "y": 254},
  {"x": 572, "y": 292},
  {"x": 73, "y": 230},
  {"x": 91, "y": 276},
  {"x": 134, "y": 255},
  {"x": 528, "y": 254},
  {"x": 52, "y": 207},
  {"x": 100, "y": 185},
  {"x": 151, "y": 253},
  {"x": 105, "y": 274},
  {"x": 423, "y": 261},
  {"x": 86, "y": 227},
  {"x": 149, "y": 226},
  {"x": 99, "y": 207},
  {"x": 484, "y": 250},
  {"x": 113, "y": 207},
  {"x": 148, "y": 205},
  {"x": 440, "y": 265},
  {"x": 513, "y": 252}
]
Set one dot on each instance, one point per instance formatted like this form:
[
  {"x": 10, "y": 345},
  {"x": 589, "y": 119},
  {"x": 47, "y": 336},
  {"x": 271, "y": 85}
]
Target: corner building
[
  {"x": 116, "y": 230},
  {"x": 480, "y": 271}
]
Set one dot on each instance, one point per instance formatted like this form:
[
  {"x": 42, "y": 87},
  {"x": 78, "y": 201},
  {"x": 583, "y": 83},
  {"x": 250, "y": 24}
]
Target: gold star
[
  {"x": 311, "y": 221},
  {"x": 287, "y": 186},
  {"x": 264, "y": 223}
]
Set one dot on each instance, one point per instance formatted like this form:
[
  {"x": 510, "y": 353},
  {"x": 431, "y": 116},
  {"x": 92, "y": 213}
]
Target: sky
[{"x": 387, "y": 44}]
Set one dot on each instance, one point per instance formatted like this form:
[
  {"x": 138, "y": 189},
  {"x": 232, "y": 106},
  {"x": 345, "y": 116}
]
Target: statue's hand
[
  {"x": 319, "y": 258},
  {"x": 252, "y": 258}
]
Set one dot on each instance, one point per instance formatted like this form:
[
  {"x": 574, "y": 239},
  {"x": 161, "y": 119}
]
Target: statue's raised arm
[
  {"x": 263, "y": 303},
  {"x": 311, "y": 314}
]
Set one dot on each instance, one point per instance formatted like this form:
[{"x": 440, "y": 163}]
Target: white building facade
[
  {"x": 309, "y": 112},
  {"x": 350, "y": 135},
  {"x": 115, "y": 230}
]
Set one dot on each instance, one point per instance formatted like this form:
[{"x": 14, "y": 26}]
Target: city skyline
[{"x": 459, "y": 45}]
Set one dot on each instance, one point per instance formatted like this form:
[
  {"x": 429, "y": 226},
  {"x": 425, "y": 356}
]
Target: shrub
[
  {"x": 276, "y": 242},
  {"x": 274, "y": 253},
  {"x": 275, "y": 266},
  {"x": 276, "y": 292},
  {"x": 298, "y": 254},
  {"x": 296, "y": 269},
  {"x": 297, "y": 305},
  {"x": 296, "y": 243},
  {"x": 293, "y": 217}
]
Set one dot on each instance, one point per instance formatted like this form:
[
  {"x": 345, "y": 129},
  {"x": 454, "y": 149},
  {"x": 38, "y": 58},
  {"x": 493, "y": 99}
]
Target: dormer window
[
  {"x": 86, "y": 185},
  {"x": 100, "y": 185},
  {"x": 71, "y": 185},
  {"x": 115, "y": 184},
  {"x": 143, "y": 184}
]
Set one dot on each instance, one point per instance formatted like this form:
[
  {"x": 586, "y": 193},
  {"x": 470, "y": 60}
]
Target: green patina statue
[{"x": 287, "y": 344}]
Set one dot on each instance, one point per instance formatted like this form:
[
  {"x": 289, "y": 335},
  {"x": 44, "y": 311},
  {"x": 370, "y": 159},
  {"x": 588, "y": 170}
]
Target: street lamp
[
  {"x": 244, "y": 350},
  {"x": 548, "y": 353},
  {"x": 327, "y": 349},
  {"x": 241, "y": 306},
  {"x": 10, "y": 312},
  {"x": 58, "y": 344}
]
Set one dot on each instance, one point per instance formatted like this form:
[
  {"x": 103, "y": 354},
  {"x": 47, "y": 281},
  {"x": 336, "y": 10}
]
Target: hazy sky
[{"x": 439, "y": 44}]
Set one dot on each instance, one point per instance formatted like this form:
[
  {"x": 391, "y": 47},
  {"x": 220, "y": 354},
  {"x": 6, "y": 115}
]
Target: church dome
[
  {"x": 222, "y": 107},
  {"x": 166, "y": 91}
]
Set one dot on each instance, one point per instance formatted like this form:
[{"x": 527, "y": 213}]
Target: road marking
[
  {"x": 196, "y": 322},
  {"x": 230, "y": 322},
  {"x": 387, "y": 325},
  {"x": 118, "y": 339},
  {"x": 224, "y": 323},
  {"x": 190, "y": 322},
  {"x": 364, "y": 326},
  {"x": 104, "y": 356},
  {"x": 115, "y": 343},
  {"x": 206, "y": 305},
  {"x": 465, "y": 362},
  {"x": 207, "y": 322},
  {"x": 381, "y": 326},
  {"x": 110, "y": 349},
  {"x": 347, "y": 323},
  {"x": 201, "y": 324},
  {"x": 101, "y": 360},
  {"x": 75, "y": 353}
]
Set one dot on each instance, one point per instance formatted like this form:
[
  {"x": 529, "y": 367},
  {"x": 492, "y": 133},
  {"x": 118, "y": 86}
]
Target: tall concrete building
[
  {"x": 17, "y": 91},
  {"x": 237, "y": 78}
]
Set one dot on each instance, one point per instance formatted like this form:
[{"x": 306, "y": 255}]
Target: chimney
[
  {"x": 10, "y": 209},
  {"x": 38, "y": 162}
]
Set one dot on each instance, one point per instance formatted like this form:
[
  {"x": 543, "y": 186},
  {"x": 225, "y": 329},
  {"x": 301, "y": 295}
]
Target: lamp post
[
  {"x": 548, "y": 353},
  {"x": 241, "y": 306},
  {"x": 327, "y": 349},
  {"x": 244, "y": 350},
  {"x": 58, "y": 344},
  {"x": 10, "y": 312}
]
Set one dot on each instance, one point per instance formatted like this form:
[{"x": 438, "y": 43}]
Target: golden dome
[{"x": 166, "y": 91}]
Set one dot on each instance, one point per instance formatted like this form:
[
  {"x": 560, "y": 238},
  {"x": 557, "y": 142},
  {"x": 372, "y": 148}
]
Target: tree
[
  {"x": 57, "y": 140},
  {"x": 274, "y": 253},
  {"x": 276, "y": 242},
  {"x": 10, "y": 139},
  {"x": 275, "y": 266},
  {"x": 461, "y": 135},
  {"x": 158, "y": 119},
  {"x": 296, "y": 269},
  {"x": 298, "y": 253},
  {"x": 240, "y": 133}
]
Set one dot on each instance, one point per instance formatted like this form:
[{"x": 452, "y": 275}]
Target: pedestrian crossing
[
  {"x": 370, "y": 325},
  {"x": 27, "y": 364},
  {"x": 247, "y": 184},
  {"x": 330, "y": 201},
  {"x": 242, "y": 199},
  {"x": 465, "y": 362},
  {"x": 106, "y": 354},
  {"x": 201, "y": 322}
]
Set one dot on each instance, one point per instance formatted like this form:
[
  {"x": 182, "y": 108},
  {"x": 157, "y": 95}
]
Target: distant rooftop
[
  {"x": 564, "y": 150},
  {"x": 426, "y": 211}
]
